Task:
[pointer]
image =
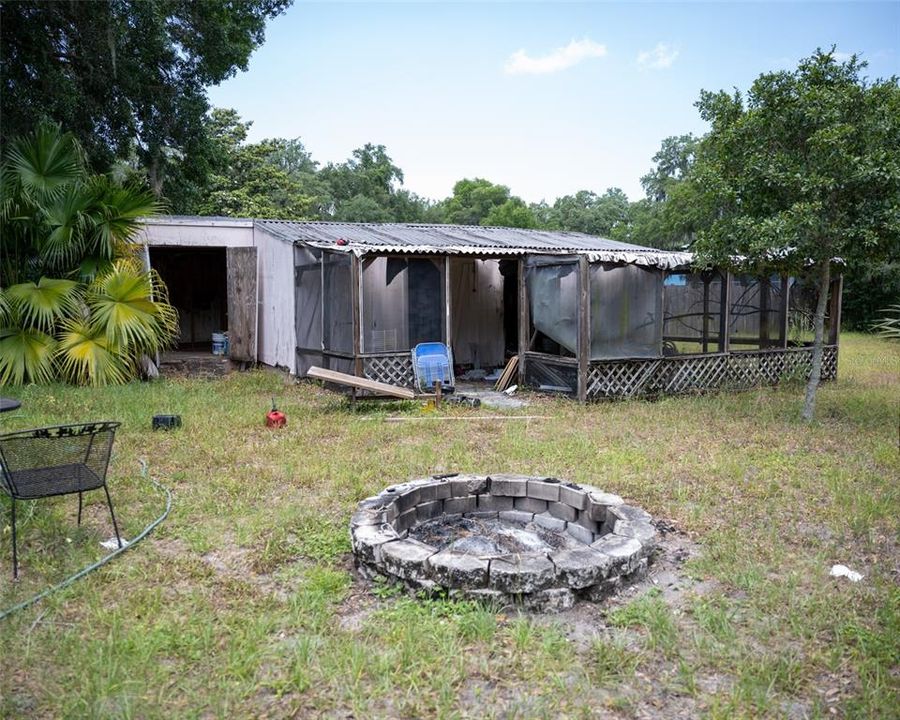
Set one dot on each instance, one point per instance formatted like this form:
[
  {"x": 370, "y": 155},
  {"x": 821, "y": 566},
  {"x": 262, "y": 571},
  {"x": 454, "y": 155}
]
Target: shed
[{"x": 587, "y": 316}]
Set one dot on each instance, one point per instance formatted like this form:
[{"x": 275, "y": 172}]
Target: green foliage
[
  {"x": 513, "y": 213},
  {"x": 96, "y": 323},
  {"x": 269, "y": 179},
  {"x": 804, "y": 169},
  {"x": 126, "y": 78},
  {"x": 586, "y": 212},
  {"x": 889, "y": 326}
]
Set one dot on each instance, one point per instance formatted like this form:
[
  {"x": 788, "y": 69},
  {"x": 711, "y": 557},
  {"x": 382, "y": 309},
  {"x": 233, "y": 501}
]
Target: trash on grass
[
  {"x": 510, "y": 390},
  {"x": 844, "y": 571},
  {"x": 112, "y": 544}
]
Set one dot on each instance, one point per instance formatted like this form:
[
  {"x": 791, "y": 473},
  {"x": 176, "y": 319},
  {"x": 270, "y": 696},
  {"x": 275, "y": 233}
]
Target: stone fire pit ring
[{"x": 539, "y": 542}]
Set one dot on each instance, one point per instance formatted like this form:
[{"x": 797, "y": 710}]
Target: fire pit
[{"x": 538, "y": 541}]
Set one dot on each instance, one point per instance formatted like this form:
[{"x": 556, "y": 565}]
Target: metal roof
[{"x": 416, "y": 238}]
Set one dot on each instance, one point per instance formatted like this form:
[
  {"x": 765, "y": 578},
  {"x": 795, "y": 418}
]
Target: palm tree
[{"x": 77, "y": 302}]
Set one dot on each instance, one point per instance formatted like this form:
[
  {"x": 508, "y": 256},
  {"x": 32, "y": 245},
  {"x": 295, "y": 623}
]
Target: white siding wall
[
  {"x": 277, "y": 328},
  {"x": 276, "y": 332}
]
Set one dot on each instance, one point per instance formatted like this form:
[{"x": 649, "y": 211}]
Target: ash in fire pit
[
  {"x": 488, "y": 537},
  {"x": 535, "y": 540}
]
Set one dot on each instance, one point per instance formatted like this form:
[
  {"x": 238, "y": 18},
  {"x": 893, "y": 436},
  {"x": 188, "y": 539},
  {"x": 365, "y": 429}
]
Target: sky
[{"x": 546, "y": 98}]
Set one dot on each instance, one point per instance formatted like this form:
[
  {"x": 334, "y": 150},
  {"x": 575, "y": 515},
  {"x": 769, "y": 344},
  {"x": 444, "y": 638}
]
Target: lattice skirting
[
  {"x": 674, "y": 375},
  {"x": 392, "y": 369}
]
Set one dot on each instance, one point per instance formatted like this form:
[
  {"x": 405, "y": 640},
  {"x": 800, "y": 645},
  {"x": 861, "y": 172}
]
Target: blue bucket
[{"x": 218, "y": 343}]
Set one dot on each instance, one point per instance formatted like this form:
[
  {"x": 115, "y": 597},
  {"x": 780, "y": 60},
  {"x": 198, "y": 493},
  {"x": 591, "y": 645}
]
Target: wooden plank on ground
[
  {"x": 360, "y": 383},
  {"x": 507, "y": 375}
]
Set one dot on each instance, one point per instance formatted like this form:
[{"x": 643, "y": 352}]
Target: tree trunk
[
  {"x": 815, "y": 373},
  {"x": 155, "y": 174}
]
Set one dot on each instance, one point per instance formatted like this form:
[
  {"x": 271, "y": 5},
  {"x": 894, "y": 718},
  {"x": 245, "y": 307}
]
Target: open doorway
[{"x": 198, "y": 289}]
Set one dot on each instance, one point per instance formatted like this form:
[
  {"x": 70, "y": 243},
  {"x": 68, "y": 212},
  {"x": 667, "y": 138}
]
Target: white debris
[
  {"x": 112, "y": 543},
  {"x": 844, "y": 571},
  {"x": 511, "y": 389}
]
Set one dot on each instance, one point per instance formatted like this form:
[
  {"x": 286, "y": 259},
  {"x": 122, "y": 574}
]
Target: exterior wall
[
  {"x": 199, "y": 232},
  {"x": 277, "y": 326},
  {"x": 275, "y": 334},
  {"x": 476, "y": 310}
]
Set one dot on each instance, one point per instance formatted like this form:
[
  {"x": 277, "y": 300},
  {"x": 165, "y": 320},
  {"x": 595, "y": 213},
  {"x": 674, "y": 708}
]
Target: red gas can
[{"x": 275, "y": 418}]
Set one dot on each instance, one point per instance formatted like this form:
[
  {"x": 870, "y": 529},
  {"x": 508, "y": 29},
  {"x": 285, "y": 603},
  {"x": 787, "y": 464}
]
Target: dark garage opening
[{"x": 197, "y": 283}]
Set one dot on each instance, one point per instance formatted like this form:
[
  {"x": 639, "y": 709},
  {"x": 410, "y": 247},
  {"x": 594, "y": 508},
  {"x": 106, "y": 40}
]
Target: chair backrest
[
  {"x": 88, "y": 444},
  {"x": 432, "y": 362}
]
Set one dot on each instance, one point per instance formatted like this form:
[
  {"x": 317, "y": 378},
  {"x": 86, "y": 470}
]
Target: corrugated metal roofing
[{"x": 412, "y": 238}]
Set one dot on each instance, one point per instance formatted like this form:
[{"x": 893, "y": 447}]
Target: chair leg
[
  {"x": 79, "y": 509},
  {"x": 112, "y": 515},
  {"x": 15, "y": 556}
]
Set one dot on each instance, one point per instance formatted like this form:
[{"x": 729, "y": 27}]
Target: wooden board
[
  {"x": 360, "y": 383},
  {"x": 242, "y": 303},
  {"x": 507, "y": 375}
]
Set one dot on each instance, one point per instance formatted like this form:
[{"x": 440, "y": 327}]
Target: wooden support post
[
  {"x": 784, "y": 312},
  {"x": 448, "y": 324},
  {"x": 438, "y": 388},
  {"x": 524, "y": 321},
  {"x": 834, "y": 310},
  {"x": 322, "y": 257},
  {"x": 764, "y": 287},
  {"x": 725, "y": 314},
  {"x": 584, "y": 326},
  {"x": 356, "y": 303},
  {"x": 705, "y": 313}
]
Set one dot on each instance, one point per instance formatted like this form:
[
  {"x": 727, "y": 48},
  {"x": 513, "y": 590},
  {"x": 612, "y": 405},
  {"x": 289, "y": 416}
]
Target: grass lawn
[{"x": 243, "y": 603}]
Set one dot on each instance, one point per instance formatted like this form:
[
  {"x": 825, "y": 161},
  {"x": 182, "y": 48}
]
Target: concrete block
[
  {"x": 458, "y": 570},
  {"x": 580, "y": 533},
  {"x": 624, "y": 552},
  {"x": 550, "y": 600},
  {"x": 406, "y": 559},
  {"x": 405, "y": 520},
  {"x": 529, "y": 504},
  {"x": 516, "y": 516},
  {"x": 562, "y": 511},
  {"x": 543, "y": 490},
  {"x": 429, "y": 510},
  {"x": 493, "y": 502},
  {"x": 599, "y": 503},
  {"x": 573, "y": 496},
  {"x": 525, "y": 574},
  {"x": 462, "y": 485},
  {"x": 580, "y": 568},
  {"x": 585, "y": 521},
  {"x": 545, "y": 520},
  {"x": 408, "y": 499},
  {"x": 509, "y": 485},
  {"x": 483, "y": 515},
  {"x": 464, "y": 504}
]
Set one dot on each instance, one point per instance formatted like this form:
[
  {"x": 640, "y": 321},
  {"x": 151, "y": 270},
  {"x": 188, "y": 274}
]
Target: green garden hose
[{"x": 100, "y": 563}]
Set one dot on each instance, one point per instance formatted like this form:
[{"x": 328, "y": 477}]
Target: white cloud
[
  {"x": 659, "y": 58},
  {"x": 520, "y": 63}
]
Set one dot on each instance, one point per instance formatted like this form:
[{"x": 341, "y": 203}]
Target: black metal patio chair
[{"x": 59, "y": 460}]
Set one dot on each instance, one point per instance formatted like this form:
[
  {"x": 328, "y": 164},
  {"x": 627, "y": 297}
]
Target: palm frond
[
  {"x": 45, "y": 162},
  {"x": 889, "y": 326},
  {"x": 86, "y": 356},
  {"x": 122, "y": 305},
  {"x": 117, "y": 214},
  {"x": 66, "y": 221},
  {"x": 26, "y": 355},
  {"x": 43, "y": 304}
]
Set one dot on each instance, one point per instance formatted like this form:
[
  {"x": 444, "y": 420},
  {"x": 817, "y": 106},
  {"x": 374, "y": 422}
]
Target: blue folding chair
[{"x": 433, "y": 362}]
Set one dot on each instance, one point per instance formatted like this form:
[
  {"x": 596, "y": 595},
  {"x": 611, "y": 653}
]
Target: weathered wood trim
[
  {"x": 448, "y": 325},
  {"x": 834, "y": 310},
  {"x": 356, "y": 306},
  {"x": 524, "y": 321},
  {"x": 725, "y": 315},
  {"x": 584, "y": 326},
  {"x": 784, "y": 312},
  {"x": 243, "y": 302}
]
